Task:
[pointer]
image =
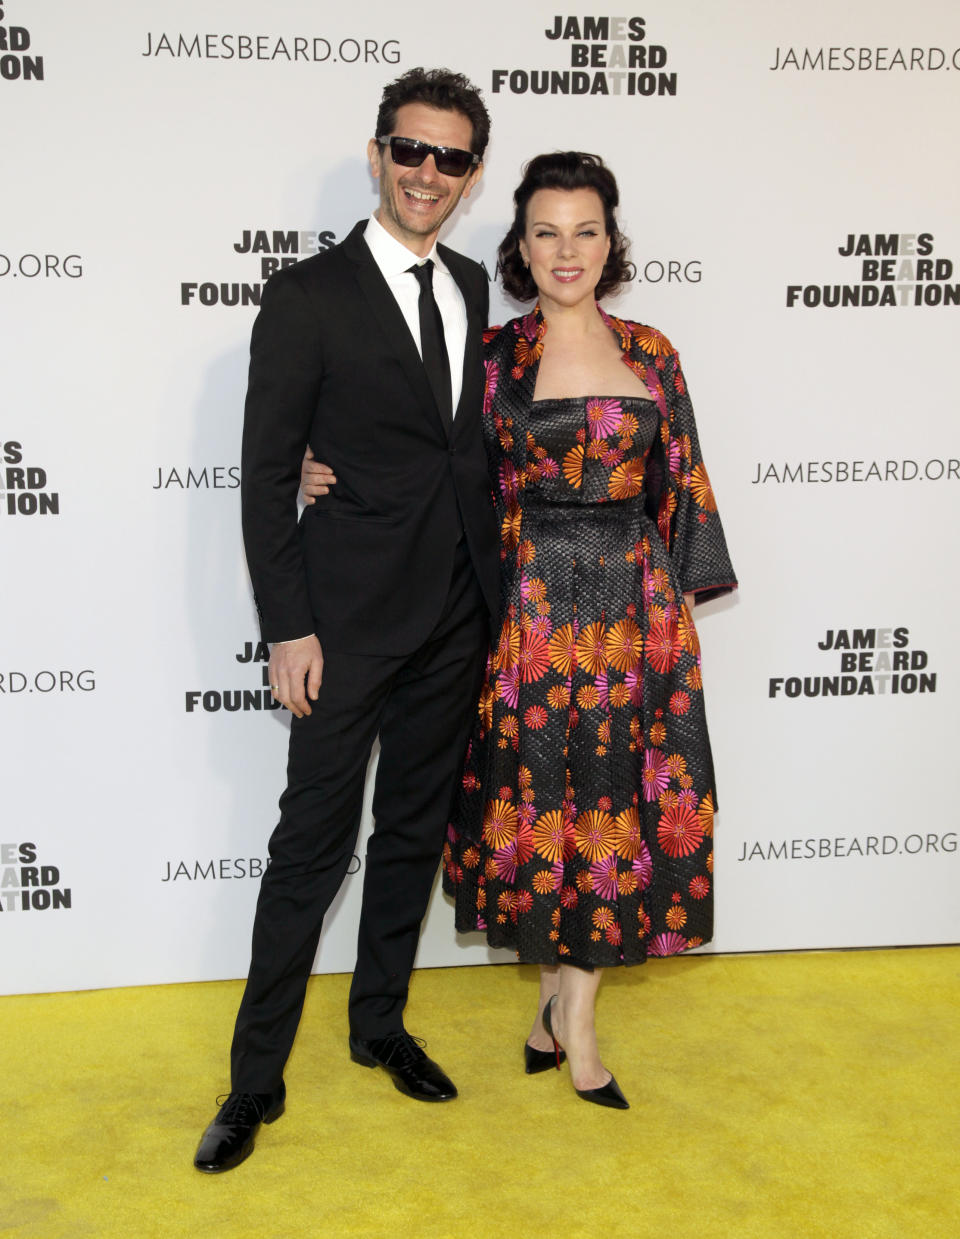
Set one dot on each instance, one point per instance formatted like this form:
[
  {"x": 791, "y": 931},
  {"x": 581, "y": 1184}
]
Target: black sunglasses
[{"x": 409, "y": 153}]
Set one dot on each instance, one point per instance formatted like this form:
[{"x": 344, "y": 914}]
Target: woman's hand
[{"x": 315, "y": 478}]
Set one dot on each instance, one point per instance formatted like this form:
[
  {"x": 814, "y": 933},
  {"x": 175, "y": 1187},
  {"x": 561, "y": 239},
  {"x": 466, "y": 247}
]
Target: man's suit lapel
[{"x": 389, "y": 320}]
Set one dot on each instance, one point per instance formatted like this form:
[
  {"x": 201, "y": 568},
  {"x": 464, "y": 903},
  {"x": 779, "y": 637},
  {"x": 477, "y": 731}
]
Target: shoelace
[
  {"x": 241, "y": 1108},
  {"x": 400, "y": 1049}
]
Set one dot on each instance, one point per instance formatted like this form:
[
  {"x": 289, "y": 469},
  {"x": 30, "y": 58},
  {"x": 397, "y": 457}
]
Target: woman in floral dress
[{"x": 582, "y": 835}]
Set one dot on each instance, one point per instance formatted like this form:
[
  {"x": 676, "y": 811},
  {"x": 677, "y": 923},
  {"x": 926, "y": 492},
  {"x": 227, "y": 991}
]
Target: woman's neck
[{"x": 567, "y": 322}]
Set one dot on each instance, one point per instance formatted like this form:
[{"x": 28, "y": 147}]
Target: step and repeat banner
[{"x": 789, "y": 181}]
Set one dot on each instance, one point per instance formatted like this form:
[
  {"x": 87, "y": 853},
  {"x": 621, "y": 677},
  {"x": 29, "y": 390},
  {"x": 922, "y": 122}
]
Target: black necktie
[{"x": 433, "y": 347}]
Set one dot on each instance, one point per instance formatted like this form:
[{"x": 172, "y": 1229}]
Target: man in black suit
[{"x": 377, "y": 603}]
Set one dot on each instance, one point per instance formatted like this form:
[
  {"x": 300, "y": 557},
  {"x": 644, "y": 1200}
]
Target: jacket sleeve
[
  {"x": 688, "y": 519},
  {"x": 286, "y": 370}
]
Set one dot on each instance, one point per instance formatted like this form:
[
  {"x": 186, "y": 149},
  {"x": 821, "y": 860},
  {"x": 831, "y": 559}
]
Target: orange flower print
[
  {"x": 590, "y": 654},
  {"x": 628, "y": 836},
  {"x": 527, "y": 351},
  {"x": 695, "y": 679},
  {"x": 627, "y": 882},
  {"x": 485, "y": 706},
  {"x": 653, "y": 341},
  {"x": 626, "y": 480},
  {"x": 629, "y": 425},
  {"x": 623, "y": 645},
  {"x": 701, "y": 489},
  {"x": 705, "y": 813},
  {"x": 563, "y": 650},
  {"x": 676, "y": 764},
  {"x": 587, "y": 697},
  {"x": 573, "y": 466},
  {"x": 553, "y": 836},
  {"x": 603, "y": 917},
  {"x": 533, "y": 589},
  {"x": 508, "y": 646},
  {"x": 499, "y": 824},
  {"x": 594, "y": 834},
  {"x": 619, "y": 695},
  {"x": 676, "y": 917},
  {"x": 660, "y": 581},
  {"x": 558, "y": 697},
  {"x": 510, "y": 527},
  {"x": 544, "y": 882},
  {"x": 596, "y": 449},
  {"x": 688, "y": 634}
]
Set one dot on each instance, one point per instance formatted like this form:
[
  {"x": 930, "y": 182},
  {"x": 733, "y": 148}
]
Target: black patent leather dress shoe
[
  {"x": 229, "y": 1139},
  {"x": 402, "y": 1056}
]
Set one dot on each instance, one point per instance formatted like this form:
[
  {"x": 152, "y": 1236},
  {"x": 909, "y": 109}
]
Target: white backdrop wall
[{"x": 152, "y": 151}]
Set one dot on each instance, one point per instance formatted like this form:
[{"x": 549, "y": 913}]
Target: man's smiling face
[{"x": 414, "y": 202}]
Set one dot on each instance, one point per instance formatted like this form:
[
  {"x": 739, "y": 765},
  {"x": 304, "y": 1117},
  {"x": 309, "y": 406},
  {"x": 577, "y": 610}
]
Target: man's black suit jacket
[{"x": 333, "y": 364}]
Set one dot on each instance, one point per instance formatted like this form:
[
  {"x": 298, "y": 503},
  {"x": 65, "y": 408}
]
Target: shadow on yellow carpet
[{"x": 773, "y": 1097}]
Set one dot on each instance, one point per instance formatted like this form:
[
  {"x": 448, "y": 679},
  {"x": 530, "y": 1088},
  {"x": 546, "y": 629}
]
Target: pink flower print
[
  {"x": 667, "y": 944},
  {"x": 508, "y": 684},
  {"x": 490, "y": 386},
  {"x": 634, "y": 682},
  {"x": 643, "y": 866},
  {"x": 526, "y": 814},
  {"x": 603, "y": 417},
  {"x": 505, "y": 859},
  {"x": 656, "y": 776},
  {"x": 604, "y": 874}
]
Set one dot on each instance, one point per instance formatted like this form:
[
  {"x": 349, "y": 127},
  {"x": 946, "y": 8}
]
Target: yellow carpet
[{"x": 772, "y": 1096}]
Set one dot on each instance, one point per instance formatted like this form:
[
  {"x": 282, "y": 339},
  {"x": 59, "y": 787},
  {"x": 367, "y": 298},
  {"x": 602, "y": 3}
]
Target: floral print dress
[{"x": 583, "y": 826}]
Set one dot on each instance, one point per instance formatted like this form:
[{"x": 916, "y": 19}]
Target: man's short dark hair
[{"x": 438, "y": 88}]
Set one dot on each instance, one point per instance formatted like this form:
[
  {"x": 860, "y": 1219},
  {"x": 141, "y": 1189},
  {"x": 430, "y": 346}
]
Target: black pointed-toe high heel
[
  {"x": 536, "y": 1060},
  {"x": 608, "y": 1094}
]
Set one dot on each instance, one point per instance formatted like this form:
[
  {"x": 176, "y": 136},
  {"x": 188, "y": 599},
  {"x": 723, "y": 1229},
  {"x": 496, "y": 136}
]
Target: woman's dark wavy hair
[
  {"x": 565, "y": 170},
  {"x": 438, "y": 88}
]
